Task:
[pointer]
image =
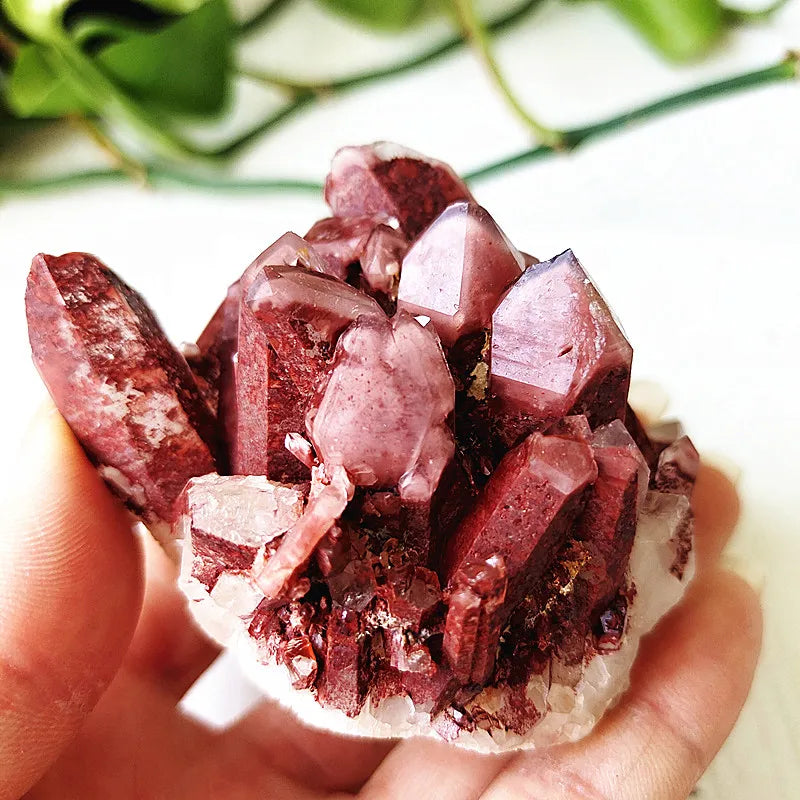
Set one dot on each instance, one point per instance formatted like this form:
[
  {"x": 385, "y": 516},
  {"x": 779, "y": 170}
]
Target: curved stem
[
  {"x": 476, "y": 32},
  {"x": 782, "y": 71},
  {"x": 362, "y": 78},
  {"x": 785, "y": 70},
  {"x": 160, "y": 176}
]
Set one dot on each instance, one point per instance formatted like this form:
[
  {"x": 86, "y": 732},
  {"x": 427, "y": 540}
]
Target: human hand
[{"x": 94, "y": 659}]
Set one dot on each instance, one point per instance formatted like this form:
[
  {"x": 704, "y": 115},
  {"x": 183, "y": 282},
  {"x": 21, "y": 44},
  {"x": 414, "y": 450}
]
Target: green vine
[{"x": 785, "y": 70}]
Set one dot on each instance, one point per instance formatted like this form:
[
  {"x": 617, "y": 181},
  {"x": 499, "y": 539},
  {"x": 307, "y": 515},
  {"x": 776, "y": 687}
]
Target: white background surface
[{"x": 690, "y": 225}]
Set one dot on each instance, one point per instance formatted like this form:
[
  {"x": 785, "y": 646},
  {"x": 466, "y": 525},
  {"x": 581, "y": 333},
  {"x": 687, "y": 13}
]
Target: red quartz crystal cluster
[{"x": 399, "y": 455}]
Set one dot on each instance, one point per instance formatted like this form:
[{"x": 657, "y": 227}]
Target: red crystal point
[
  {"x": 125, "y": 391},
  {"x": 340, "y": 241},
  {"x": 302, "y": 315},
  {"x": 384, "y": 179},
  {"x": 344, "y": 679},
  {"x": 457, "y": 270},
  {"x": 557, "y": 349},
  {"x": 677, "y": 467},
  {"x": 381, "y": 260},
  {"x": 473, "y": 625},
  {"x": 525, "y": 511},
  {"x": 258, "y": 403},
  {"x": 384, "y": 409}
]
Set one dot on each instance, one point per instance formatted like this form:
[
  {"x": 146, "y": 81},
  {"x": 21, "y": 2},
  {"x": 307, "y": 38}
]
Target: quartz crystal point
[
  {"x": 444, "y": 519},
  {"x": 258, "y": 403},
  {"x": 302, "y": 315},
  {"x": 557, "y": 349},
  {"x": 341, "y": 241},
  {"x": 473, "y": 625},
  {"x": 384, "y": 179},
  {"x": 384, "y": 410},
  {"x": 525, "y": 511},
  {"x": 457, "y": 270},
  {"x": 125, "y": 391}
]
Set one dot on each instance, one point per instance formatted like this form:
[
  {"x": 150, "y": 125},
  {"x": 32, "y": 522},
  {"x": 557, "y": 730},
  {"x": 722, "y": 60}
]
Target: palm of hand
[{"x": 93, "y": 663}]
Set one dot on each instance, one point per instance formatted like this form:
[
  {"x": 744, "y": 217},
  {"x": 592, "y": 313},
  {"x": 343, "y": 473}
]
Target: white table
[{"x": 690, "y": 225}]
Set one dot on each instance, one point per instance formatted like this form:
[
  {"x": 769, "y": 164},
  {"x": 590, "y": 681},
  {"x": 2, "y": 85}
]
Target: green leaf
[
  {"x": 34, "y": 89},
  {"x": 680, "y": 29},
  {"x": 391, "y": 14},
  {"x": 40, "y": 19},
  {"x": 184, "y": 67}
]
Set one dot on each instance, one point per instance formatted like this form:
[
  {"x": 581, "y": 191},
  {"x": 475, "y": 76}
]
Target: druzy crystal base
[{"x": 398, "y": 463}]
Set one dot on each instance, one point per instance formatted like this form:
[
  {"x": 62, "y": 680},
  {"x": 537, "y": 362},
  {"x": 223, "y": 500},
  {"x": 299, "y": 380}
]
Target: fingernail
[
  {"x": 750, "y": 570},
  {"x": 649, "y": 400}
]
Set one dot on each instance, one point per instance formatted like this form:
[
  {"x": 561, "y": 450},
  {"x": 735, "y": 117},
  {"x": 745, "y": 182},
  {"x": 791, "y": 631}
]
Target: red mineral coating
[
  {"x": 457, "y": 270},
  {"x": 557, "y": 349},
  {"x": 258, "y": 403},
  {"x": 302, "y": 315},
  {"x": 344, "y": 679},
  {"x": 384, "y": 179},
  {"x": 474, "y": 620},
  {"x": 125, "y": 391},
  {"x": 525, "y": 511}
]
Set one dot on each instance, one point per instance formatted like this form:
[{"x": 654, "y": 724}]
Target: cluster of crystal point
[{"x": 399, "y": 461}]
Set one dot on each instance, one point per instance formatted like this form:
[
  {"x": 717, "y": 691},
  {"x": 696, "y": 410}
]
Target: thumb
[{"x": 70, "y": 591}]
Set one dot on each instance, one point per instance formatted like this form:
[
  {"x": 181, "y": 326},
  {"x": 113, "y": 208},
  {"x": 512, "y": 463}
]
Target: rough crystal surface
[
  {"x": 466, "y": 541},
  {"x": 395, "y": 182},
  {"x": 557, "y": 349},
  {"x": 457, "y": 270},
  {"x": 125, "y": 391}
]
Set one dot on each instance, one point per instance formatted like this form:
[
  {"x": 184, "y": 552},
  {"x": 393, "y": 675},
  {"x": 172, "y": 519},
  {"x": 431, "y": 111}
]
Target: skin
[{"x": 96, "y": 650}]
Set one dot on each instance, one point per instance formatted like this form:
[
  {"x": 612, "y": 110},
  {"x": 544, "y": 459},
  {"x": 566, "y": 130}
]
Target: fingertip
[
  {"x": 716, "y": 507},
  {"x": 70, "y": 591}
]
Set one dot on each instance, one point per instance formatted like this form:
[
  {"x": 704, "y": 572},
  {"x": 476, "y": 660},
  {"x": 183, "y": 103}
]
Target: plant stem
[
  {"x": 476, "y": 32},
  {"x": 134, "y": 169},
  {"x": 359, "y": 79},
  {"x": 785, "y": 70},
  {"x": 157, "y": 175}
]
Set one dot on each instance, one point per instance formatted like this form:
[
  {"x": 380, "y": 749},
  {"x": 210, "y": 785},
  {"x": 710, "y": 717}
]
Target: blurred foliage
[{"x": 146, "y": 66}]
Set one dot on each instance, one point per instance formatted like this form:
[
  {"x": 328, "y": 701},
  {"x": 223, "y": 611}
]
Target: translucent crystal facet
[
  {"x": 457, "y": 270},
  {"x": 383, "y": 412},
  {"x": 557, "y": 349}
]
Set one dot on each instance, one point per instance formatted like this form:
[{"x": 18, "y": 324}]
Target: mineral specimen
[{"x": 399, "y": 462}]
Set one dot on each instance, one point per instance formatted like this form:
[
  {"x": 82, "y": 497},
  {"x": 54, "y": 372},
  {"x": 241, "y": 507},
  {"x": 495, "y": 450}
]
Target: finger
[
  {"x": 167, "y": 648},
  {"x": 687, "y": 690},
  {"x": 137, "y": 745},
  {"x": 716, "y": 510},
  {"x": 420, "y": 767},
  {"x": 321, "y": 760},
  {"x": 70, "y": 591}
]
